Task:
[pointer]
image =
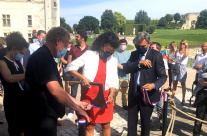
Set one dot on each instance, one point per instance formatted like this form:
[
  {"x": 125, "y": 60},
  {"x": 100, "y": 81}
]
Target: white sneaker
[{"x": 69, "y": 117}]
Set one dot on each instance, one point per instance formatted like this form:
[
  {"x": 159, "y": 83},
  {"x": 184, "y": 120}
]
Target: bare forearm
[
  {"x": 63, "y": 61},
  {"x": 202, "y": 82},
  {"x": 120, "y": 66},
  {"x": 76, "y": 74},
  {"x": 15, "y": 78}
]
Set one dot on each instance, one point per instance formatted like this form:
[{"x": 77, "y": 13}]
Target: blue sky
[{"x": 74, "y": 10}]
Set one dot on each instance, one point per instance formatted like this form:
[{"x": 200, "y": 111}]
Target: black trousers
[
  {"x": 201, "y": 110},
  {"x": 170, "y": 73},
  {"x": 41, "y": 125},
  {"x": 136, "y": 105}
]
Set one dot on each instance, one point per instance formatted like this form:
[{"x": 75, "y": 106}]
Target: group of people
[{"x": 34, "y": 90}]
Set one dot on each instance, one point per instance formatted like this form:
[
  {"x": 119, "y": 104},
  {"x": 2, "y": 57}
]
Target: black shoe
[
  {"x": 194, "y": 105},
  {"x": 125, "y": 107}
]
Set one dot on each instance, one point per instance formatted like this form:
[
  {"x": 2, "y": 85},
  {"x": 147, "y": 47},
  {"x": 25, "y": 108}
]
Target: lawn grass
[{"x": 195, "y": 37}]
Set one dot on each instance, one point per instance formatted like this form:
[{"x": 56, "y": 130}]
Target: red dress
[{"x": 98, "y": 115}]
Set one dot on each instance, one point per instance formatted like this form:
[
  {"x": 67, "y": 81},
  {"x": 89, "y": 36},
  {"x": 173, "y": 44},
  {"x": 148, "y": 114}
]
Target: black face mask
[
  {"x": 141, "y": 50},
  {"x": 104, "y": 55}
]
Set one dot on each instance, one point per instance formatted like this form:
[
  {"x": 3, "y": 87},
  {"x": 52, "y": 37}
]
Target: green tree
[
  {"x": 130, "y": 21},
  {"x": 108, "y": 21},
  {"x": 177, "y": 17},
  {"x": 162, "y": 22},
  {"x": 151, "y": 29},
  {"x": 89, "y": 23},
  {"x": 64, "y": 25},
  {"x": 168, "y": 17},
  {"x": 120, "y": 20},
  {"x": 202, "y": 20},
  {"x": 75, "y": 26},
  {"x": 142, "y": 18}
]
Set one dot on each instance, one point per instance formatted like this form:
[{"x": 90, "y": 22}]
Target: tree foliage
[
  {"x": 64, "y": 25},
  {"x": 202, "y": 19},
  {"x": 120, "y": 20},
  {"x": 151, "y": 29},
  {"x": 162, "y": 21},
  {"x": 108, "y": 20},
  {"x": 130, "y": 21},
  {"x": 75, "y": 26},
  {"x": 177, "y": 17},
  {"x": 88, "y": 23},
  {"x": 142, "y": 18},
  {"x": 168, "y": 17}
]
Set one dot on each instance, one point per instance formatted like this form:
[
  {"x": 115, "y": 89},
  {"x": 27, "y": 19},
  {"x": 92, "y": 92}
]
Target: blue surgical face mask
[
  {"x": 104, "y": 55},
  {"x": 62, "y": 53},
  {"x": 42, "y": 41},
  {"x": 18, "y": 56}
]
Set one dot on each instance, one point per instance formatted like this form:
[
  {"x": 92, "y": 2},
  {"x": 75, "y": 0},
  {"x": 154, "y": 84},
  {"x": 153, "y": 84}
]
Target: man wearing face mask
[
  {"x": 122, "y": 56},
  {"x": 75, "y": 52},
  {"x": 45, "y": 99},
  {"x": 41, "y": 35},
  {"x": 147, "y": 76}
]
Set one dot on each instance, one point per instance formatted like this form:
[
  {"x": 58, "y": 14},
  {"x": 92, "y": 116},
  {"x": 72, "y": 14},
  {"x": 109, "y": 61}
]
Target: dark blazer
[{"x": 156, "y": 74}]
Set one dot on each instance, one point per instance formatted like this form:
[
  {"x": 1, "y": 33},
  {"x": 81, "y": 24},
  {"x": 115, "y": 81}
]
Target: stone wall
[
  {"x": 188, "y": 18},
  {"x": 44, "y": 15}
]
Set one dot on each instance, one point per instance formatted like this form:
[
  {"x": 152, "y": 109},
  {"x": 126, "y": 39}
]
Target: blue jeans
[{"x": 74, "y": 90}]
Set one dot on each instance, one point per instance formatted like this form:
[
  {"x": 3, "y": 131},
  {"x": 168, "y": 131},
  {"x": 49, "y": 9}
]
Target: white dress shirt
[
  {"x": 34, "y": 46},
  {"x": 139, "y": 71},
  {"x": 200, "y": 60}
]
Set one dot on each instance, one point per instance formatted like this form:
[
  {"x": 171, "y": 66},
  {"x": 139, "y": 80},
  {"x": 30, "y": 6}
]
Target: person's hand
[
  {"x": 111, "y": 97},
  {"x": 146, "y": 63},
  {"x": 82, "y": 113},
  {"x": 170, "y": 58},
  {"x": 186, "y": 46},
  {"x": 85, "y": 82},
  {"x": 85, "y": 105},
  {"x": 148, "y": 87}
]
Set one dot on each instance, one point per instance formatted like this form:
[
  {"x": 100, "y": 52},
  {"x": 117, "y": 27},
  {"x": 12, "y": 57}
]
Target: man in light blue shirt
[{"x": 123, "y": 56}]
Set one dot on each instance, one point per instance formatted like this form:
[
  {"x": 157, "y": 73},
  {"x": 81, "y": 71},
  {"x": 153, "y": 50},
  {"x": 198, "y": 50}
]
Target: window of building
[
  {"x": 6, "y": 20},
  {"x": 29, "y": 20},
  {"x": 5, "y": 34},
  {"x": 29, "y": 37},
  {"x": 55, "y": 4}
]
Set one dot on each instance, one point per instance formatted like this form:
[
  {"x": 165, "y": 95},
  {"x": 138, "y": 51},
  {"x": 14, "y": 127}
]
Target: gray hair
[{"x": 140, "y": 37}]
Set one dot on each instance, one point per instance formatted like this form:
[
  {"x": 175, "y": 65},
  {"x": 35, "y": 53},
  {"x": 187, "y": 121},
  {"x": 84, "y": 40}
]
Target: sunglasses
[{"x": 182, "y": 43}]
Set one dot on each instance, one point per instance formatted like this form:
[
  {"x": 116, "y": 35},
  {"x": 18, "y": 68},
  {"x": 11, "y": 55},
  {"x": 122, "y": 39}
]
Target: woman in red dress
[{"x": 98, "y": 66}]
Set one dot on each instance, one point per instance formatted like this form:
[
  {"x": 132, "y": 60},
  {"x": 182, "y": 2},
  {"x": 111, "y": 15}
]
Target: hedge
[{"x": 128, "y": 28}]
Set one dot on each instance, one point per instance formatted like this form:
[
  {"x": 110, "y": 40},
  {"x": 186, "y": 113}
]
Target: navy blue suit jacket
[{"x": 156, "y": 74}]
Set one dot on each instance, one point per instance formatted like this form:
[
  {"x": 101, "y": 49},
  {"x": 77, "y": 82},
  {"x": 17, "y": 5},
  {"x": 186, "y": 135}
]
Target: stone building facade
[
  {"x": 190, "y": 19},
  {"x": 27, "y": 15}
]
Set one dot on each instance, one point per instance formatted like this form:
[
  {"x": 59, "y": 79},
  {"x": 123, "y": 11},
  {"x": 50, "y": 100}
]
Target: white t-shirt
[
  {"x": 172, "y": 55},
  {"x": 166, "y": 65}
]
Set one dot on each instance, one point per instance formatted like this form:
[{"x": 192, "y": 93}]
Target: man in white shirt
[
  {"x": 41, "y": 35},
  {"x": 200, "y": 60}
]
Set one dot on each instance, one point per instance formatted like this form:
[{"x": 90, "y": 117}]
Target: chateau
[{"x": 26, "y": 15}]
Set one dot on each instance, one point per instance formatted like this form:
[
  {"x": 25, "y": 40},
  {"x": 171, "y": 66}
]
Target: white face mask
[
  {"x": 123, "y": 47},
  {"x": 68, "y": 49}
]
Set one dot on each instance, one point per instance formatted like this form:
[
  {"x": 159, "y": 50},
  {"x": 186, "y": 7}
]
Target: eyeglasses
[{"x": 182, "y": 43}]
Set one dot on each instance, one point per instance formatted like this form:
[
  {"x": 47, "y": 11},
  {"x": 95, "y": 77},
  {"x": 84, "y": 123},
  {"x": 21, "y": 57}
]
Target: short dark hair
[
  {"x": 123, "y": 41},
  {"x": 41, "y": 31},
  {"x": 157, "y": 45},
  {"x": 105, "y": 39},
  {"x": 15, "y": 39},
  {"x": 83, "y": 34},
  {"x": 55, "y": 33}
]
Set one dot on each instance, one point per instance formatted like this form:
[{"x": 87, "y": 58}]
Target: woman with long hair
[
  {"x": 171, "y": 61},
  {"x": 98, "y": 66},
  {"x": 181, "y": 60},
  {"x": 11, "y": 73}
]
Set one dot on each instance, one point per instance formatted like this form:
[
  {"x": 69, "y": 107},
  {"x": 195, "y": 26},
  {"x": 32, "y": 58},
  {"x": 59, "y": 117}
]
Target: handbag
[{"x": 176, "y": 68}]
